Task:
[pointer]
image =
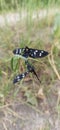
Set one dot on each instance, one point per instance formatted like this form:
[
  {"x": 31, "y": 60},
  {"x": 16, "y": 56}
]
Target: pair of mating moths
[{"x": 28, "y": 52}]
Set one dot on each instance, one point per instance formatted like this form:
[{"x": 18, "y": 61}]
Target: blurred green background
[{"x": 30, "y": 4}]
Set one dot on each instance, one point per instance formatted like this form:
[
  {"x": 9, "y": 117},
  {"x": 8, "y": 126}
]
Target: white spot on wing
[
  {"x": 42, "y": 51},
  {"x": 40, "y": 54},
  {"x": 23, "y": 75},
  {"x": 31, "y": 54},
  {"x": 16, "y": 51},
  {"x": 18, "y": 78},
  {"x": 20, "y": 51},
  {"x": 36, "y": 51}
]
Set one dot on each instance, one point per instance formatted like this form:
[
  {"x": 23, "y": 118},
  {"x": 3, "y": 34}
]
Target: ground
[{"x": 22, "y": 115}]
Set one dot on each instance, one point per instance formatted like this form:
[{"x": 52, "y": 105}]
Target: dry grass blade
[
  {"x": 4, "y": 125},
  {"x": 58, "y": 100},
  {"x": 4, "y": 73},
  {"x": 7, "y": 105},
  {"x": 51, "y": 61},
  {"x": 15, "y": 114}
]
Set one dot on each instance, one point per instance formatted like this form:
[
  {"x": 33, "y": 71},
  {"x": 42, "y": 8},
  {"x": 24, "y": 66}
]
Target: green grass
[{"x": 27, "y": 4}]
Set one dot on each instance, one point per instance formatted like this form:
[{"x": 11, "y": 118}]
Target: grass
[
  {"x": 6, "y": 5},
  {"x": 28, "y": 34}
]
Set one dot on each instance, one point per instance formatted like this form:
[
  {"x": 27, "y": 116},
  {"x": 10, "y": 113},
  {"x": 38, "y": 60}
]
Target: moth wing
[
  {"x": 18, "y": 51},
  {"x": 34, "y": 53},
  {"x": 19, "y": 77}
]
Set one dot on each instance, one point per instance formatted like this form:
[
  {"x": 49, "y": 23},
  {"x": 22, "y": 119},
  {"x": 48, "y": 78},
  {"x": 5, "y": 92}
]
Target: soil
[{"x": 20, "y": 115}]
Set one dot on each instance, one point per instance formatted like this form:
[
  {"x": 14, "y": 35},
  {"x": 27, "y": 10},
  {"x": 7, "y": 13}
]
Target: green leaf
[
  {"x": 14, "y": 63},
  {"x": 32, "y": 101}
]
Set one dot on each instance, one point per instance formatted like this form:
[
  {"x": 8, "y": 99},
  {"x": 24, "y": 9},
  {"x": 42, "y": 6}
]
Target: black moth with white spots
[
  {"x": 21, "y": 76},
  {"x": 29, "y": 52}
]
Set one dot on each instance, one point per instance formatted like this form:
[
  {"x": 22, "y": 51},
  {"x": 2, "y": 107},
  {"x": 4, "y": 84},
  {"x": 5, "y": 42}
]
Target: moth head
[
  {"x": 26, "y": 49},
  {"x": 14, "y": 51}
]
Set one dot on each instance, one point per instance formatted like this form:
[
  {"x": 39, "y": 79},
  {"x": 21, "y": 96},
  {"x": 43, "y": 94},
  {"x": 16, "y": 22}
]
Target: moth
[
  {"x": 30, "y": 68},
  {"x": 30, "y": 52}
]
